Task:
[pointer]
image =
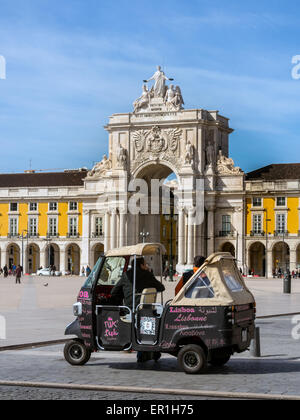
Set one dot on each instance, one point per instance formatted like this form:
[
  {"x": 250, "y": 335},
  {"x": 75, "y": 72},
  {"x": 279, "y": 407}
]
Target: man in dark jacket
[
  {"x": 144, "y": 280},
  {"x": 18, "y": 274}
]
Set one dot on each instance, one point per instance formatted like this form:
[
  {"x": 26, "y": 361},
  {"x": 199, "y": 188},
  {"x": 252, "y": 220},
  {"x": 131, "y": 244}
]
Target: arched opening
[
  {"x": 97, "y": 251},
  {"x": 53, "y": 256},
  {"x": 228, "y": 247},
  {"x": 73, "y": 259},
  {"x": 32, "y": 263},
  {"x": 158, "y": 219},
  {"x": 281, "y": 257},
  {"x": 13, "y": 256},
  {"x": 257, "y": 259}
]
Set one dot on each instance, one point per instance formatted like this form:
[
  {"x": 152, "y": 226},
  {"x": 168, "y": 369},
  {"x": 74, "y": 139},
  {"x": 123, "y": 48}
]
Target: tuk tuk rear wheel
[
  {"x": 76, "y": 353},
  {"x": 192, "y": 359}
]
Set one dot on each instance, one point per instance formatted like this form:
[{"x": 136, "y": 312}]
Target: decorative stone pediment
[
  {"x": 156, "y": 145},
  {"x": 156, "y": 140}
]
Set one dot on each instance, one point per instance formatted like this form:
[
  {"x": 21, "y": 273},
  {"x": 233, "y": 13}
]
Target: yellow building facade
[
  {"x": 272, "y": 220},
  {"x": 41, "y": 220}
]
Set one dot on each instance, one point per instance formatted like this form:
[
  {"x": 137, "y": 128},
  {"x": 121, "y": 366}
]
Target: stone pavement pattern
[
  {"x": 39, "y": 315},
  {"x": 34, "y": 312}
]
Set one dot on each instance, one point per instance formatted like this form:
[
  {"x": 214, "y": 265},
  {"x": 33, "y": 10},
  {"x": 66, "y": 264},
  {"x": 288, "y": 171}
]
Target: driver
[{"x": 144, "y": 280}]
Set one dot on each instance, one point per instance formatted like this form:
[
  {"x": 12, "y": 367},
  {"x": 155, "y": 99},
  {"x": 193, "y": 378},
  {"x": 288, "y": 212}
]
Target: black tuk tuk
[{"x": 211, "y": 317}]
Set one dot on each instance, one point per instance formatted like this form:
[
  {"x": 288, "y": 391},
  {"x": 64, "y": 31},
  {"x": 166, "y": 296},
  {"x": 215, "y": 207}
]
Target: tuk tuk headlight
[{"x": 77, "y": 309}]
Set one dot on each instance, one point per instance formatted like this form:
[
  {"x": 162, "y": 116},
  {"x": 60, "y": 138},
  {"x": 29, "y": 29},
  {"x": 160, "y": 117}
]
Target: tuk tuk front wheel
[
  {"x": 76, "y": 353},
  {"x": 192, "y": 359}
]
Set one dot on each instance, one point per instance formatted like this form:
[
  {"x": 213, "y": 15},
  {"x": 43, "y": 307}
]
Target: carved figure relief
[
  {"x": 189, "y": 153},
  {"x": 166, "y": 98},
  {"x": 225, "y": 166},
  {"x": 100, "y": 168},
  {"x": 121, "y": 157}
]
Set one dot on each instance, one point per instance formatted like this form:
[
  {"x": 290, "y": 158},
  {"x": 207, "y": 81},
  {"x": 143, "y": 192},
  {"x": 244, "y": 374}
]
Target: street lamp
[
  {"x": 172, "y": 218},
  {"x": 144, "y": 235},
  {"x": 266, "y": 260}
]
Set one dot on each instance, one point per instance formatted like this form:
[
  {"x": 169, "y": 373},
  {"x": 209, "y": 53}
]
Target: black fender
[{"x": 74, "y": 329}]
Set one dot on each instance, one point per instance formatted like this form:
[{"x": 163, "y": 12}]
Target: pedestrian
[
  {"x": 198, "y": 262},
  {"x": 88, "y": 271},
  {"x": 18, "y": 274},
  {"x": 166, "y": 270},
  {"x": 5, "y": 271}
]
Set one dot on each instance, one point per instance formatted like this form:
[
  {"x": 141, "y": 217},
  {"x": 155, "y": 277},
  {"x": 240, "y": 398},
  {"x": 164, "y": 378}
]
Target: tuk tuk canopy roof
[
  {"x": 139, "y": 249},
  {"x": 213, "y": 268}
]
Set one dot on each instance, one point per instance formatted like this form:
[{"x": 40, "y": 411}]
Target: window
[
  {"x": 73, "y": 226},
  {"x": 13, "y": 206},
  {"x": 99, "y": 226},
  {"x": 32, "y": 226},
  {"x": 257, "y": 202},
  {"x": 73, "y": 205},
  {"x": 33, "y": 206},
  {"x": 280, "y": 201},
  {"x": 226, "y": 224},
  {"x": 112, "y": 271},
  {"x": 13, "y": 226},
  {"x": 200, "y": 288},
  {"x": 231, "y": 276},
  {"x": 280, "y": 223},
  {"x": 257, "y": 223},
  {"x": 52, "y": 206},
  {"x": 52, "y": 226}
]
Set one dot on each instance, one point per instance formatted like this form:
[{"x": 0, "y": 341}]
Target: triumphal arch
[{"x": 159, "y": 137}]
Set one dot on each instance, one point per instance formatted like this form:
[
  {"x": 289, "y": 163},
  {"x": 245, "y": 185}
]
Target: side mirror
[{"x": 77, "y": 309}]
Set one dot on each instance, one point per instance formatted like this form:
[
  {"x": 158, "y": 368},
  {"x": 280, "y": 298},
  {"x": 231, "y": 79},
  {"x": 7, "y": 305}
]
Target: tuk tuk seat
[{"x": 148, "y": 296}]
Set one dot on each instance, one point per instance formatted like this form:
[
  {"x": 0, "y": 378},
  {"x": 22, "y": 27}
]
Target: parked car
[{"x": 48, "y": 272}]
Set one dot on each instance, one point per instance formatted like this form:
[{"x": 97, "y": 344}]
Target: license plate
[{"x": 244, "y": 336}]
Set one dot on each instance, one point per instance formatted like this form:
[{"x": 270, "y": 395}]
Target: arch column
[
  {"x": 269, "y": 260},
  {"x": 122, "y": 236},
  {"x": 85, "y": 260},
  {"x": 62, "y": 260},
  {"x": 210, "y": 230},
  {"x": 43, "y": 258},
  {"x": 293, "y": 259},
  {"x": 3, "y": 257},
  {"x": 181, "y": 236},
  {"x": 106, "y": 231},
  {"x": 113, "y": 228},
  {"x": 190, "y": 238}
]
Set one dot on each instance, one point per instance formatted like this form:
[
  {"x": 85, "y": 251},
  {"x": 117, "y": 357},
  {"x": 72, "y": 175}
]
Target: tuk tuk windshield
[
  {"x": 200, "y": 288},
  {"x": 231, "y": 276},
  {"x": 111, "y": 271},
  {"x": 92, "y": 277}
]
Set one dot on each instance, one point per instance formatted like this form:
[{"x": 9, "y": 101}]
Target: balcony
[
  {"x": 281, "y": 233},
  {"x": 225, "y": 234},
  {"x": 257, "y": 233},
  {"x": 33, "y": 235},
  {"x": 72, "y": 235},
  {"x": 97, "y": 235},
  {"x": 13, "y": 236},
  {"x": 52, "y": 235}
]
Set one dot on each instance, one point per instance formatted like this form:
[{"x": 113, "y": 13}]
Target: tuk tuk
[{"x": 211, "y": 317}]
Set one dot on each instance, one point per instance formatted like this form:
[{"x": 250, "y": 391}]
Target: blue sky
[{"x": 72, "y": 63}]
